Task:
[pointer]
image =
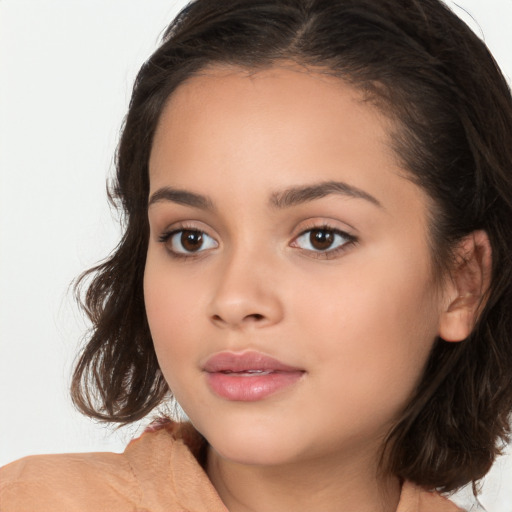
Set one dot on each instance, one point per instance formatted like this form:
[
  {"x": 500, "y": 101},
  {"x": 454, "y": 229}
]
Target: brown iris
[
  {"x": 191, "y": 240},
  {"x": 321, "y": 239}
]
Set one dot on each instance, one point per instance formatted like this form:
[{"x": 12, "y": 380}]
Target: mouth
[
  {"x": 247, "y": 373},
  {"x": 248, "y": 376}
]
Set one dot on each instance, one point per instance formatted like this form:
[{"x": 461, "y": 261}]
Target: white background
[{"x": 66, "y": 70}]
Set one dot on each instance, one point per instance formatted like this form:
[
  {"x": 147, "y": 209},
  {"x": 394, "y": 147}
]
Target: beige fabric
[{"x": 158, "y": 472}]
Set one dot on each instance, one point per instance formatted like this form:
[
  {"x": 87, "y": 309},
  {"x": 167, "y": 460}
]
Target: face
[{"x": 288, "y": 285}]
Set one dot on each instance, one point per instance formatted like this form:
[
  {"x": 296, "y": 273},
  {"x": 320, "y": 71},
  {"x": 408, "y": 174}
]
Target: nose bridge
[{"x": 245, "y": 291}]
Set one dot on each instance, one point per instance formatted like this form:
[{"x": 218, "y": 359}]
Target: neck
[{"x": 350, "y": 486}]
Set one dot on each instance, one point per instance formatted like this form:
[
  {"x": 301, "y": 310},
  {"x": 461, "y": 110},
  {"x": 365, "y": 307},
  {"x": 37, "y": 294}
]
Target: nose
[{"x": 246, "y": 295}]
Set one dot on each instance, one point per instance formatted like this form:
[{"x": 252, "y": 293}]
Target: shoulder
[
  {"x": 83, "y": 482},
  {"x": 415, "y": 499},
  {"x": 68, "y": 482},
  {"x": 158, "y": 471}
]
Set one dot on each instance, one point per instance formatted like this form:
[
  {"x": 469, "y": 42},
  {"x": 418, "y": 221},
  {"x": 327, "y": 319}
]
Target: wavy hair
[{"x": 423, "y": 67}]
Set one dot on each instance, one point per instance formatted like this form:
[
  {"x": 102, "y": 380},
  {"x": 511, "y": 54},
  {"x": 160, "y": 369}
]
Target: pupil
[
  {"x": 321, "y": 239},
  {"x": 191, "y": 240}
]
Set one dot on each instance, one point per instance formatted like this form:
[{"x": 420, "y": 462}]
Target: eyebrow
[
  {"x": 184, "y": 197},
  {"x": 278, "y": 200},
  {"x": 298, "y": 195}
]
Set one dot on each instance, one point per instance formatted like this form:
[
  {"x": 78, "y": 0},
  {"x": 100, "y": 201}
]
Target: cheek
[
  {"x": 375, "y": 329},
  {"x": 170, "y": 311}
]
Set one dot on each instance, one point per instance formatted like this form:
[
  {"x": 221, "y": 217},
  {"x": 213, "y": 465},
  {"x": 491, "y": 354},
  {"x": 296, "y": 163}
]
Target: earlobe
[
  {"x": 458, "y": 319},
  {"x": 465, "y": 293}
]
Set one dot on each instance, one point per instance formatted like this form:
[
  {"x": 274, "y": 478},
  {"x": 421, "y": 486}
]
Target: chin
[
  {"x": 250, "y": 443},
  {"x": 249, "y": 452}
]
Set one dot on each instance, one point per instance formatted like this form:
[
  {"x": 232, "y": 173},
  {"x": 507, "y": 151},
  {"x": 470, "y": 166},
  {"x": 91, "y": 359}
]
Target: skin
[{"x": 360, "y": 322}]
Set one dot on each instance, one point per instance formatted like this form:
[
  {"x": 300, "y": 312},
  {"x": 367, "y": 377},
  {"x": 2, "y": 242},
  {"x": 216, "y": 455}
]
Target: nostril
[{"x": 238, "y": 320}]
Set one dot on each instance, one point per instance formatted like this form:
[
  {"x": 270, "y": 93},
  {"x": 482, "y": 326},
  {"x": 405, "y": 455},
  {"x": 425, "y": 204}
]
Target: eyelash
[
  {"x": 350, "y": 240},
  {"x": 328, "y": 254}
]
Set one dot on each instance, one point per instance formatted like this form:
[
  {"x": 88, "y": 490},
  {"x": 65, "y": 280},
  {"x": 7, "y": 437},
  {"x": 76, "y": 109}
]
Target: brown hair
[{"x": 426, "y": 69}]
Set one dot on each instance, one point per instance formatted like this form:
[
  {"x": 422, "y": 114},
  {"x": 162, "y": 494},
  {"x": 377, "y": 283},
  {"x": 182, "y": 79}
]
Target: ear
[{"x": 466, "y": 287}]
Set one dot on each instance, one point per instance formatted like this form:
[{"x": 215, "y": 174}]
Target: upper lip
[{"x": 240, "y": 362}]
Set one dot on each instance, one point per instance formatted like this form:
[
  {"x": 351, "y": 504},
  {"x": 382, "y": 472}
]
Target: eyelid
[
  {"x": 320, "y": 226},
  {"x": 169, "y": 233},
  {"x": 350, "y": 240}
]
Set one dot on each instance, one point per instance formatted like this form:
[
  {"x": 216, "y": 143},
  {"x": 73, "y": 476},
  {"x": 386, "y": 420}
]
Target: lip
[{"x": 248, "y": 376}]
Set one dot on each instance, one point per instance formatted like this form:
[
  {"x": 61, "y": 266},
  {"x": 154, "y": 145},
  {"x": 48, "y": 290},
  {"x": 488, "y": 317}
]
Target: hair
[{"x": 426, "y": 70}]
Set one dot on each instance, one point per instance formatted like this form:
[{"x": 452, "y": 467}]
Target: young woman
[{"x": 315, "y": 265}]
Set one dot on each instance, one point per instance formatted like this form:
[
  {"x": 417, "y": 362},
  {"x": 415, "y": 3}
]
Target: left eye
[
  {"x": 186, "y": 241},
  {"x": 322, "y": 239}
]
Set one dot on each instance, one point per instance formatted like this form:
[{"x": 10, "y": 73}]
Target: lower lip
[{"x": 250, "y": 388}]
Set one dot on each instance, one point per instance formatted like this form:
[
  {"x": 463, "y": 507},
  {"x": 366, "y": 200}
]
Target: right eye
[{"x": 185, "y": 242}]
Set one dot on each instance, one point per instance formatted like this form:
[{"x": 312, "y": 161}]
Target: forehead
[
  {"x": 246, "y": 109},
  {"x": 239, "y": 135},
  {"x": 285, "y": 84}
]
